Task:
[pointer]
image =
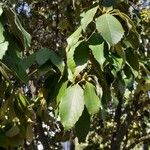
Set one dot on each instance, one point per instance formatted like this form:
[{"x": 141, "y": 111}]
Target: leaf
[
  {"x": 3, "y": 49},
  {"x": 1, "y": 10},
  {"x": 21, "y": 73},
  {"x": 13, "y": 131},
  {"x": 98, "y": 52},
  {"x": 95, "y": 39},
  {"x": 88, "y": 17},
  {"x": 57, "y": 61},
  {"x": 28, "y": 61},
  {"x": 42, "y": 56},
  {"x": 1, "y": 33},
  {"x": 71, "y": 106},
  {"x": 132, "y": 59},
  {"x": 81, "y": 54},
  {"x": 61, "y": 91},
  {"x": 73, "y": 39},
  {"x": 50, "y": 87},
  {"x": 82, "y": 126},
  {"x": 110, "y": 28},
  {"x": 92, "y": 101},
  {"x": 23, "y": 100},
  {"x": 70, "y": 57},
  {"x": 17, "y": 28}
]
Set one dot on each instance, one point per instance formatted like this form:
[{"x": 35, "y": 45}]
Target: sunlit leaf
[
  {"x": 3, "y": 49},
  {"x": 73, "y": 39},
  {"x": 88, "y": 17},
  {"x": 71, "y": 106},
  {"x": 110, "y": 28},
  {"x": 1, "y": 33},
  {"x": 98, "y": 52},
  {"x": 92, "y": 101}
]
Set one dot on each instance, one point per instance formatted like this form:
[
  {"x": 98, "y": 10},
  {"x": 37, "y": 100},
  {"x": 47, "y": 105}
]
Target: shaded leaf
[
  {"x": 132, "y": 59},
  {"x": 95, "y": 39},
  {"x": 82, "y": 126},
  {"x": 81, "y": 54},
  {"x": 17, "y": 28},
  {"x": 73, "y": 39},
  {"x": 42, "y": 56},
  {"x": 57, "y": 61}
]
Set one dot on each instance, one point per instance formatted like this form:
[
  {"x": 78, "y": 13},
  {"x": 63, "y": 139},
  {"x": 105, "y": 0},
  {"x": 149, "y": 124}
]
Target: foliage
[{"x": 96, "y": 80}]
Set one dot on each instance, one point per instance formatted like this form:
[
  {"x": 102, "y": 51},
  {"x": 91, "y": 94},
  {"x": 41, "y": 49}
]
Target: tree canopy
[{"x": 74, "y": 70}]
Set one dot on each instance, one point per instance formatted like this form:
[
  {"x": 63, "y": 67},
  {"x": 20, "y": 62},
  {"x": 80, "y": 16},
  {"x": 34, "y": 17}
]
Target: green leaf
[
  {"x": 110, "y": 28},
  {"x": 73, "y": 39},
  {"x": 61, "y": 91},
  {"x": 1, "y": 10},
  {"x": 3, "y": 49},
  {"x": 98, "y": 52},
  {"x": 28, "y": 61},
  {"x": 42, "y": 56},
  {"x": 95, "y": 39},
  {"x": 17, "y": 28},
  {"x": 1, "y": 33},
  {"x": 88, "y": 17},
  {"x": 71, "y": 106},
  {"x": 50, "y": 87},
  {"x": 70, "y": 57},
  {"x": 81, "y": 54},
  {"x": 21, "y": 73},
  {"x": 57, "y": 61},
  {"x": 23, "y": 100},
  {"x": 92, "y": 101},
  {"x": 82, "y": 126}
]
